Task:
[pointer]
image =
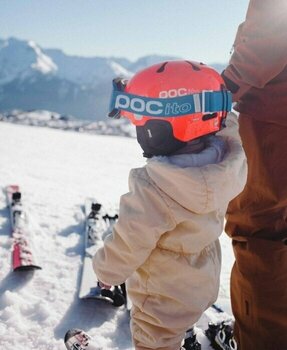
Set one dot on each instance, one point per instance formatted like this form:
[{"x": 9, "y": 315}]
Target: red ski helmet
[{"x": 171, "y": 103}]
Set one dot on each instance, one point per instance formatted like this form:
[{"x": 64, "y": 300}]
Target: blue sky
[{"x": 202, "y": 30}]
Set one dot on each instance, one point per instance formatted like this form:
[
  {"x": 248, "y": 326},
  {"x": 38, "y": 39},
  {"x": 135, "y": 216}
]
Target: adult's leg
[
  {"x": 261, "y": 208},
  {"x": 258, "y": 294},
  {"x": 257, "y": 222}
]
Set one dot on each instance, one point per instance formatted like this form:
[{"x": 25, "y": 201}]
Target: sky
[{"x": 202, "y": 30}]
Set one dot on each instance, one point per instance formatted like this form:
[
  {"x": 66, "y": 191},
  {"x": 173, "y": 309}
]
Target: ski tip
[
  {"x": 76, "y": 339},
  {"x": 27, "y": 268},
  {"x": 12, "y": 188},
  {"x": 71, "y": 333}
]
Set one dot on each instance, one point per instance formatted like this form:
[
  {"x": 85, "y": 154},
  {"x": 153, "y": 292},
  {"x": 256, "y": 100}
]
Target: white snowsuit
[{"x": 165, "y": 244}]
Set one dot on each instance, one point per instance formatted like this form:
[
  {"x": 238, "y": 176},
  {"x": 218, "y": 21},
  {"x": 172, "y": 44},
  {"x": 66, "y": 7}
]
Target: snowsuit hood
[{"x": 200, "y": 189}]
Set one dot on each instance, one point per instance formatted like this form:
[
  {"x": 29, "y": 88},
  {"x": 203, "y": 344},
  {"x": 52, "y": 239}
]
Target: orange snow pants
[{"x": 257, "y": 224}]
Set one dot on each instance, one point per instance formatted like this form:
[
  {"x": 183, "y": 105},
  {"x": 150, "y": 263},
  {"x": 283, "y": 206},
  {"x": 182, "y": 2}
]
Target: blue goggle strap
[{"x": 206, "y": 102}]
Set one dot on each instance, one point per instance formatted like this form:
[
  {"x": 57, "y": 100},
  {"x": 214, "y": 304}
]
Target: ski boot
[
  {"x": 221, "y": 336},
  {"x": 190, "y": 342},
  {"x": 117, "y": 295}
]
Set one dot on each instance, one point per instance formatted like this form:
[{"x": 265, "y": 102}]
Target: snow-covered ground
[
  {"x": 59, "y": 121},
  {"x": 57, "y": 170}
]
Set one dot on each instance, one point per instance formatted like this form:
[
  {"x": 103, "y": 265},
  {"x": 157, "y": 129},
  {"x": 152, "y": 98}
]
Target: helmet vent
[
  {"x": 194, "y": 67},
  {"x": 209, "y": 116},
  {"x": 162, "y": 67}
]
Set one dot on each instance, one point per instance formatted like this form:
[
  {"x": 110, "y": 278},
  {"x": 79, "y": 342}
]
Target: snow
[
  {"x": 120, "y": 71},
  {"x": 57, "y": 170},
  {"x": 44, "y": 63}
]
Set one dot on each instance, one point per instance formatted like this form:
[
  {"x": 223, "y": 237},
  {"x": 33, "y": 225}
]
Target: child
[{"x": 165, "y": 243}]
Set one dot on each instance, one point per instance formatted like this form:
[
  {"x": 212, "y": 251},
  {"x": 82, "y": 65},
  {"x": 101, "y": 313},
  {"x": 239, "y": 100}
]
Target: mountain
[
  {"x": 22, "y": 59},
  {"x": 35, "y": 78}
]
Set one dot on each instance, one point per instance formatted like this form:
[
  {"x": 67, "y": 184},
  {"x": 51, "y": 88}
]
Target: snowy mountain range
[{"x": 35, "y": 78}]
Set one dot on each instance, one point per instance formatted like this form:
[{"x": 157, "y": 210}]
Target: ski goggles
[{"x": 206, "y": 102}]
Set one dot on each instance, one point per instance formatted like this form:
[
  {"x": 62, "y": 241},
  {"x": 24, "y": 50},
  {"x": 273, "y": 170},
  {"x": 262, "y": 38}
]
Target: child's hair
[{"x": 172, "y": 103}]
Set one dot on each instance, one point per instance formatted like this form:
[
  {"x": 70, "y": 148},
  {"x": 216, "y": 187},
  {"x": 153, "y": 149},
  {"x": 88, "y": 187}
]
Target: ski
[
  {"x": 220, "y": 334},
  {"x": 98, "y": 224},
  {"x": 23, "y": 256}
]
